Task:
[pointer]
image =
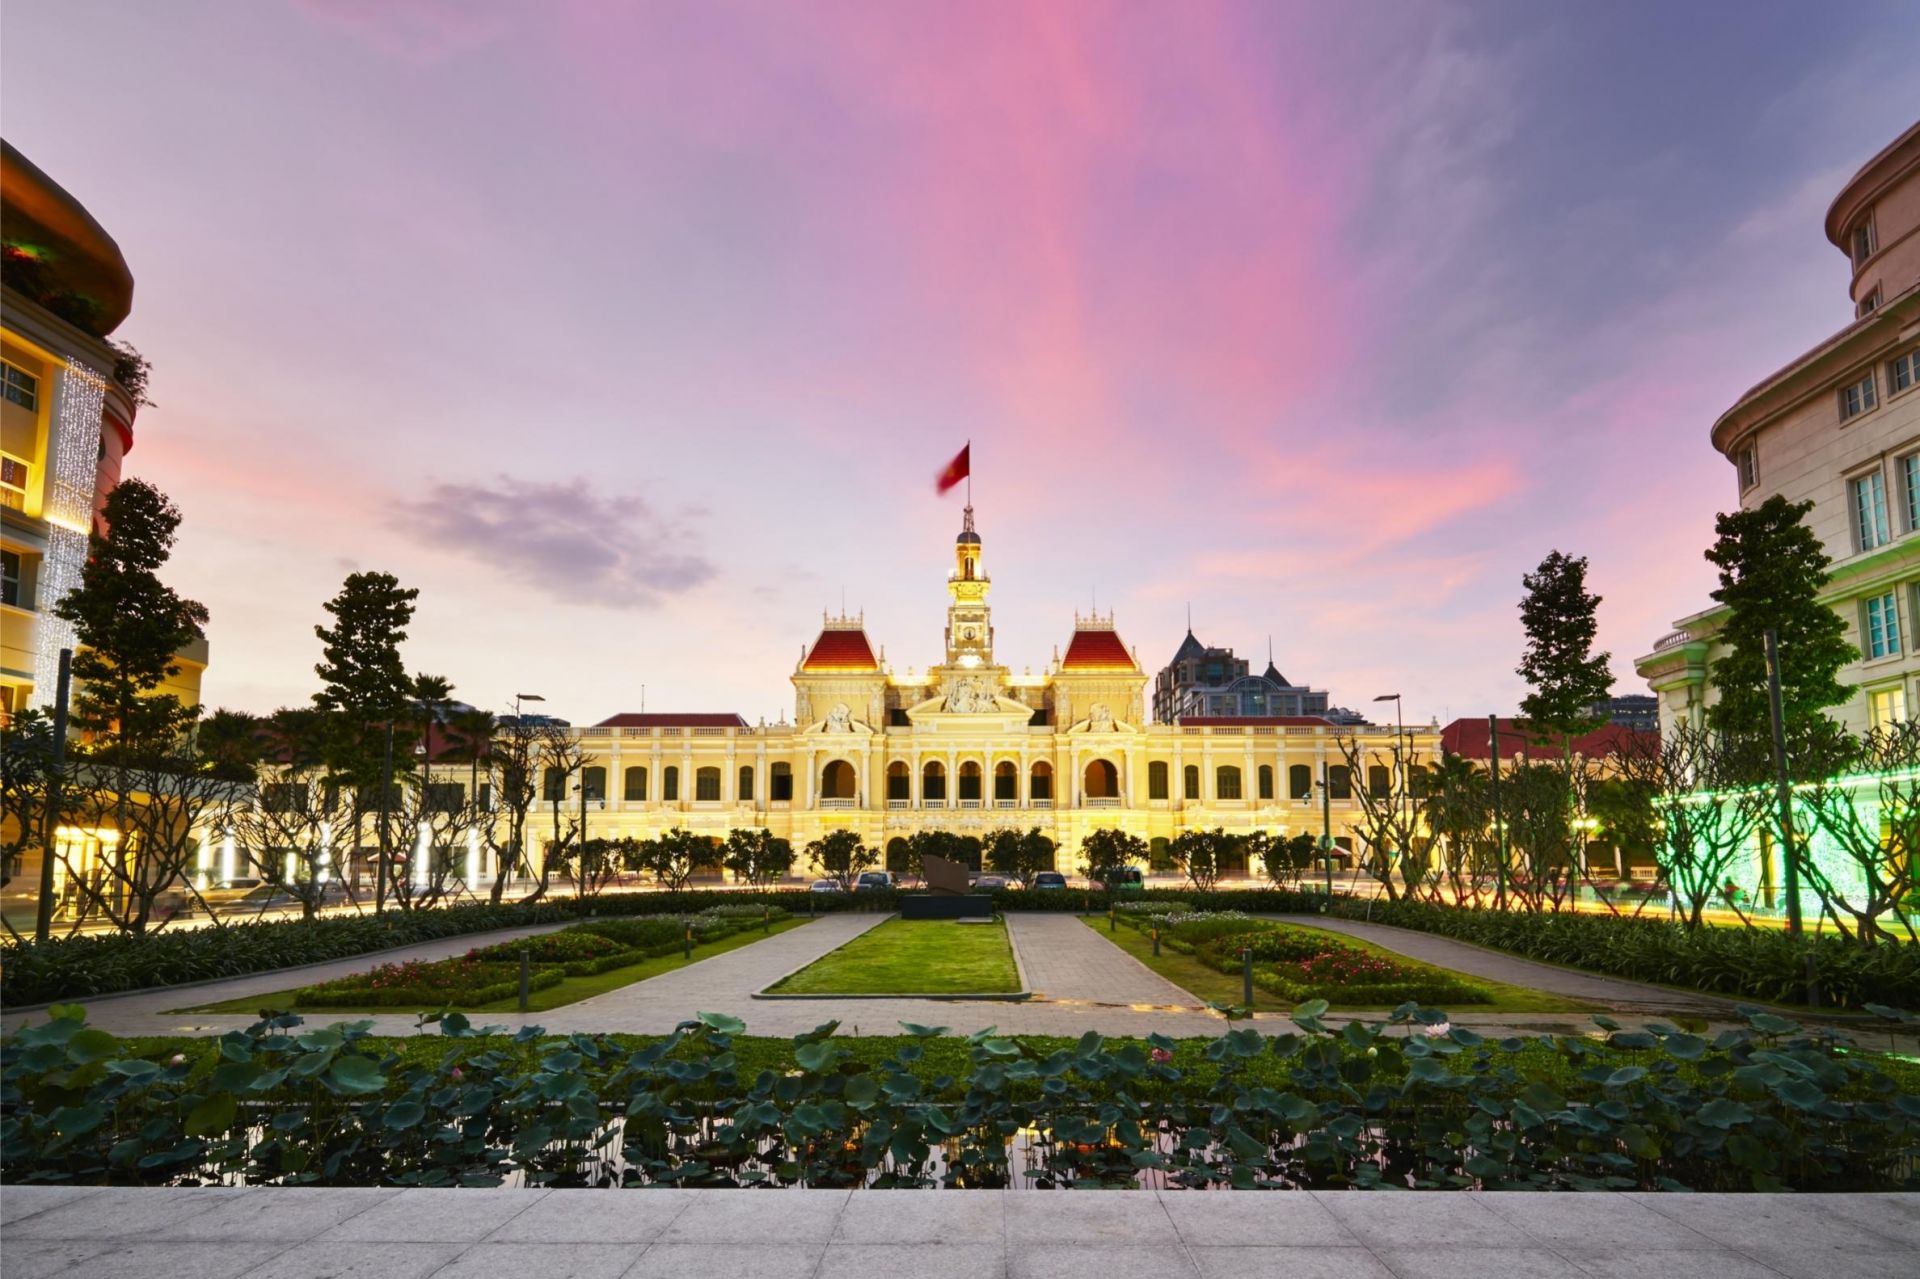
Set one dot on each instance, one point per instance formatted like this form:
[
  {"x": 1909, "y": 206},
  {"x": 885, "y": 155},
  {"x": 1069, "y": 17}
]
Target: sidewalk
[{"x": 963, "y": 1234}]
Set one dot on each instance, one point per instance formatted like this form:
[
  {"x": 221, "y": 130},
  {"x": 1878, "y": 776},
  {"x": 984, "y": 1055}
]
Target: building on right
[{"x": 1840, "y": 427}]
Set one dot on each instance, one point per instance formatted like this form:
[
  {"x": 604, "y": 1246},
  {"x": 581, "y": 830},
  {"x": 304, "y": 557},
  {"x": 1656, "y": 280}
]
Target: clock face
[{"x": 968, "y": 633}]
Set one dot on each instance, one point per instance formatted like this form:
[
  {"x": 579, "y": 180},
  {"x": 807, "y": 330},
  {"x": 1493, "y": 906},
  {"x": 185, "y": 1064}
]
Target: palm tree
[
  {"x": 1458, "y": 810},
  {"x": 473, "y": 728}
]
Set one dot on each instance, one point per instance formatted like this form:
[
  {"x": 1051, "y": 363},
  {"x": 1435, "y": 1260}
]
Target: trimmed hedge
[{"x": 489, "y": 982}]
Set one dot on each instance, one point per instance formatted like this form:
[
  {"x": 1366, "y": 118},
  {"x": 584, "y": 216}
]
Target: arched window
[
  {"x": 1103, "y": 780},
  {"x": 670, "y": 784},
  {"x": 1157, "y": 779},
  {"x": 837, "y": 780},
  {"x": 969, "y": 781},
  {"x": 1299, "y": 782},
  {"x": 1006, "y": 781},
  {"x": 899, "y": 781},
  {"x": 746, "y": 783},
  {"x": 1339, "y": 781},
  {"x": 1379, "y": 781},
  {"x": 1040, "y": 784},
  {"x": 1417, "y": 780},
  {"x": 1266, "y": 781},
  {"x": 706, "y": 785},
  {"x": 555, "y": 787},
  {"x": 1226, "y": 782},
  {"x": 636, "y": 788},
  {"x": 1190, "y": 781},
  {"x": 780, "y": 782},
  {"x": 899, "y": 860},
  {"x": 593, "y": 782},
  {"x": 933, "y": 782}
]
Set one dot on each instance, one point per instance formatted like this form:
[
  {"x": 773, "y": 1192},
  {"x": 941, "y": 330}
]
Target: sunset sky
[{"x": 635, "y": 334}]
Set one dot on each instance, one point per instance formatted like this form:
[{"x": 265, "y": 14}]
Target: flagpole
[{"x": 969, "y": 472}]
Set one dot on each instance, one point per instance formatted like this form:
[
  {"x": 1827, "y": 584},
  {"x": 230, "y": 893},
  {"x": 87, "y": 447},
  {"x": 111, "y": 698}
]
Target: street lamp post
[
  {"x": 520, "y": 854},
  {"x": 1400, "y": 764}
]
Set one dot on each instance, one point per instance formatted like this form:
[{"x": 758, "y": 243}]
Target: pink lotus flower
[
  {"x": 1437, "y": 1031},
  {"x": 456, "y": 1073},
  {"x": 177, "y": 1059},
  {"x": 1162, "y": 1056}
]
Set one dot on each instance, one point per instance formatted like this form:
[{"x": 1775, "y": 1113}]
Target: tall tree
[
  {"x": 759, "y": 857},
  {"x": 1569, "y": 680},
  {"x": 1772, "y": 569},
  {"x": 1108, "y": 851},
  {"x": 840, "y": 855},
  {"x": 129, "y": 625}
]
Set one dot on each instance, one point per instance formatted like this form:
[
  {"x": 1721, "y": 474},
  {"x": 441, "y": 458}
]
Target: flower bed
[
  {"x": 1299, "y": 964},
  {"x": 466, "y": 980}
]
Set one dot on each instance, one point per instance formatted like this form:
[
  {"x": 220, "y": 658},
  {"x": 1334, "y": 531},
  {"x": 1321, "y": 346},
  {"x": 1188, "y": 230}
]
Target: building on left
[
  {"x": 66, "y": 419},
  {"x": 68, "y": 400}
]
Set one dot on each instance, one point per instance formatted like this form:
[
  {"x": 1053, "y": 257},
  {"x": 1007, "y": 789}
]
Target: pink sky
[{"x": 634, "y": 335}]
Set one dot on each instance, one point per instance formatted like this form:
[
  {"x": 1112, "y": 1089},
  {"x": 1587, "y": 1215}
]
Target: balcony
[
  {"x": 933, "y": 803},
  {"x": 972, "y": 803},
  {"x": 1101, "y": 801},
  {"x": 839, "y": 803},
  {"x": 897, "y": 804},
  {"x": 1006, "y": 803},
  {"x": 1041, "y": 801}
]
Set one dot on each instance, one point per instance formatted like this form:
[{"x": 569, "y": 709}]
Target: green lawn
[
  {"x": 1210, "y": 986},
  {"x": 913, "y": 957},
  {"x": 572, "y": 990}
]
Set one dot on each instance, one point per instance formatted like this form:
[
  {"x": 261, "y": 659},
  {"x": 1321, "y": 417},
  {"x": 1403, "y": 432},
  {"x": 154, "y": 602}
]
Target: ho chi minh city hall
[{"x": 969, "y": 746}]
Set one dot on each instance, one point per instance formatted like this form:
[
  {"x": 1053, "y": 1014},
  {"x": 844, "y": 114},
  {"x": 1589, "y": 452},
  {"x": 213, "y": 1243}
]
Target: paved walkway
[
  {"x": 1080, "y": 981},
  {"x": 947, "y": 1234},
  {"x": 1633, "y": 997}
]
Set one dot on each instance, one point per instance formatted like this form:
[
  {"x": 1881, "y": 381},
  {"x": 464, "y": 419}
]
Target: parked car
[
  {"x": 874, "y": 880},
  {"x": 1128, "y": 879},
  {"x": 1049, "y": 879},
  {"x": 989, "y": 883},
  {"x": 824, "y": 886}
]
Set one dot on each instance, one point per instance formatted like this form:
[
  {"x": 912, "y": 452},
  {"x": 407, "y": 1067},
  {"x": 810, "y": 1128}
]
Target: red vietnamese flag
[{"x": 957, "y": 470}]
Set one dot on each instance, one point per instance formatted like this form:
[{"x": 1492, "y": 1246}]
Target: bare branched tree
[
  {"x": 1392, "y": 821},
  {"x": 1692, "y": 796},
  {"x": 1869, "y": 810}
]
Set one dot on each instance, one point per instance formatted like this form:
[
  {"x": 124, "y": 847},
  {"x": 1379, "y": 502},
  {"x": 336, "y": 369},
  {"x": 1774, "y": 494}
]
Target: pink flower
[
  {"x": 1162, "y": 1056},
  {"x": 177, "y": 1059},
  {"x": 456, "y": 1073},
  {"x": 1438, "y": 1030}
]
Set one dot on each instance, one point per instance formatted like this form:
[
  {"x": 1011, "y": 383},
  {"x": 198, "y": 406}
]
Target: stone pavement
[{"x": 91, "y": 1233}]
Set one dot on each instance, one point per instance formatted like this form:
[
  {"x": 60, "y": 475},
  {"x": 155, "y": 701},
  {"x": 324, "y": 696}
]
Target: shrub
[
  {"x": 563, "y": 947},
  {"x": 466, "y": 980}
]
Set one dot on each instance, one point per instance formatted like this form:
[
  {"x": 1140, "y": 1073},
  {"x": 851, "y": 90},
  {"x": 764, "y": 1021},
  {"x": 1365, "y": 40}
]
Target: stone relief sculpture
[
  {"x": 1100, "y": 719},
  {"x": 970, "y": 697},
  {"x": 840, "y": 719}
]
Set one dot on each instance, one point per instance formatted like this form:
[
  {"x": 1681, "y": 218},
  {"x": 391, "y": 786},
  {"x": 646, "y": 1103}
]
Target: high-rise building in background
[
  {"x": 1203, "y": 681},
  {"x": 68, "y": 398},
  {"x": 1840, "y": 427}
]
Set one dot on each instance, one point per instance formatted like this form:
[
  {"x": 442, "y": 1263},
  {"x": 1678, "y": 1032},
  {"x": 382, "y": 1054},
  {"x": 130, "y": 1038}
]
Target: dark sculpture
[{"x": 945, "y": 877}]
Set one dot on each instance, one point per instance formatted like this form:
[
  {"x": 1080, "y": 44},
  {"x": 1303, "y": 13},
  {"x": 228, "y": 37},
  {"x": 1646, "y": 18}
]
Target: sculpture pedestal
[{"x": 946, "y": 906}]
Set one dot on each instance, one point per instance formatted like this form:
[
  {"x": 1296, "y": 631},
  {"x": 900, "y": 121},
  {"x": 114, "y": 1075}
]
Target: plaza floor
[
  {"x": 1080, "y": 982},
  {"x": 977, "y": 1234}
]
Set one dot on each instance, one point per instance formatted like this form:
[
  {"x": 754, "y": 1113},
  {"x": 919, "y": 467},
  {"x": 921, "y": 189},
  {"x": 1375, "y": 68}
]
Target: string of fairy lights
[{"x": 80, "y": 399}]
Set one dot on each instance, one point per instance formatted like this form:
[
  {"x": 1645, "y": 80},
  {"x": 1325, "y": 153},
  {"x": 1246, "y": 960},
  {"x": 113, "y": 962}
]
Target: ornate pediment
[
  {"x": 1100, "y": 720},
  {"x": 839, "y": 719}
]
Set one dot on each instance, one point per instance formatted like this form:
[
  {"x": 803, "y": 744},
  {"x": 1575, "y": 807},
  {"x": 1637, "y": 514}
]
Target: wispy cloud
[{"x": 564, "y": 539}]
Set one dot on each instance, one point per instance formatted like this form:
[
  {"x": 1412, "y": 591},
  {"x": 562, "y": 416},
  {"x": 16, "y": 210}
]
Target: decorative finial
[{"x": 966, "y": 518}]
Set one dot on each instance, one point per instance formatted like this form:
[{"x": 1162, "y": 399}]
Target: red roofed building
[
  {"x": 842, "y": 646},
  {"x": 1097, "y": 650},
  {"x": 1471, "y": 739}
]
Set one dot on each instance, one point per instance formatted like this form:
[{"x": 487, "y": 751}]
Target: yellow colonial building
[{"x": 969, "y": 746}]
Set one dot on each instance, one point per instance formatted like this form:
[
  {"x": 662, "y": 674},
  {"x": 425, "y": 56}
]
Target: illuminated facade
[
  {"x": 968, "y": 745},
  {"x": 1840, "y": 427},
  {"x": 65, "y": 423}
]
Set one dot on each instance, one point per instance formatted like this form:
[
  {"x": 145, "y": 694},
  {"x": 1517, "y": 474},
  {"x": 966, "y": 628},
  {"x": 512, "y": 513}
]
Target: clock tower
[{"x": 969, "y": 622}]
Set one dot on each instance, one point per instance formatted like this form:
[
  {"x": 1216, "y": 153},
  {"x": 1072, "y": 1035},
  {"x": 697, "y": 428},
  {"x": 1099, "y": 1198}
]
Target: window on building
[
  {"x": 780, "y": 782},
  {"x": 1299, "y": 782},
  {"x": 933, "y": 781},
  {"x": 1190, "y": 781},
  {"x": 969, "y": 780},
  {"x": 1040, "y": 781},
  {"x": 670, "y": 784},
  {"x": 746, "y": 783},
  {"x": 1910, "y": 489},
  {"x": 1903, "y": 374},
  {"x": 19, "y": 386},
  {"x": 1266, "y": 781},
  {"x": 1379, "y": 781},
  {"x": 13, "y": 482},
  {"x": 1869, "y": 511},
  {"x": 284, "y": 797},
  {"x": 636, "y": 787},
  {"x": 554, "y": 787},
  {"x": 1856, "y": 398},
  {"x": 1883, "y": 626},
  {"x": 1339, "y": 782},
  {"x": 1748, "y": 466},
  {"x": 1226, "y": 782},
  {"x": 443, "y": 797},
  {"x": 1157, "y": 779},
  {"x": 706, "y": 785},
  {"x": 593, "y": 783},
  {"x": 1006, "y": 781},
  {"x": 1868, "y": 304},
  {"x": 1887, "y": 706},
  {"x": 10, "y": 578},
  {"x": 899, "y": 781},
  {"x": 485, "y": 794},
  {"x": 1864, "y": 242}
]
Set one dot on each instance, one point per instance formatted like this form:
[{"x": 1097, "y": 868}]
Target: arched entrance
[
  {"x": 898, "y": 858},
  {"x": 1103, "y": 780},
  {"x": 837, "y": 780}
]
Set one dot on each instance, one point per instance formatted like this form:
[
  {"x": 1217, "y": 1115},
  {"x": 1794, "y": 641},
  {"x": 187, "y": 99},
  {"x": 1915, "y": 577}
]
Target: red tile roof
[
  {"x": 1097, "y": 651},
  {"x": 841, "y": 649},
  {"x": 1469, "y": 738},
  {"x": 673, "y": 719},
  {"x": 1229, "y": 721}
]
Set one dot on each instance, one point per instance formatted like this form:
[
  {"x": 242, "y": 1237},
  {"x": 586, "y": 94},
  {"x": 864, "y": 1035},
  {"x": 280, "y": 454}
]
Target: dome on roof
[{"x": 968, "y": 538}]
